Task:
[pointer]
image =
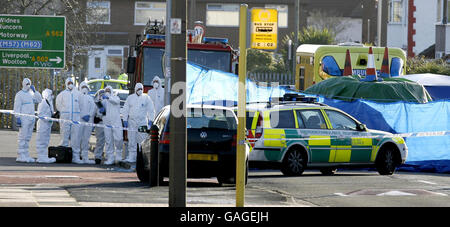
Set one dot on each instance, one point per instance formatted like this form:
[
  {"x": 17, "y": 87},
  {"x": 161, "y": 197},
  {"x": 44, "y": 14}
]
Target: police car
[{"x": 295, "y": 135}]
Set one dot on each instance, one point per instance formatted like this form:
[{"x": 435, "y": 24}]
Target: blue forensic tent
[
  {"x": 425, "y": 153},
  {"x": 438, "y": 86},
  {"x": 208, "y": 85},
  {"x": 404, "y": 117}
]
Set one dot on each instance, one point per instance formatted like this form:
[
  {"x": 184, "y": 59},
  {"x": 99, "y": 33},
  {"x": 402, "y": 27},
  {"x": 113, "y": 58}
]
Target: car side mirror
[
  {"x": 361, "y": 127},
  {"x": 143, "y": 129}
]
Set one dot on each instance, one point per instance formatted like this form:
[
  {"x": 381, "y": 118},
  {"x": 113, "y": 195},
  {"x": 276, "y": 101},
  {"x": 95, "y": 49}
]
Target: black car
[{"x": 211, "y": 144}]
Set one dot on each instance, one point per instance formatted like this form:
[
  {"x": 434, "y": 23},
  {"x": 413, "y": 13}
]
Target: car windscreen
[
  {"x": 152, "y": 64},
  {"x": 212, "y": 59},
  {"x": 114, "y": 85},
  {"x": 95, "y": 86},
  {"x": 209, "y": 118}
]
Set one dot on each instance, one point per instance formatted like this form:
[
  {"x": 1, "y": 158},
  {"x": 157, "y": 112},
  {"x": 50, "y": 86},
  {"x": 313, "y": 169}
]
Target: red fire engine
[{"x": 148, "y": 62}]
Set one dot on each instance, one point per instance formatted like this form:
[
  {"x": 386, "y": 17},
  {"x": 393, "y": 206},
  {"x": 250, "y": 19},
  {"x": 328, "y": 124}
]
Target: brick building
[{"x": 116, "y": 23}]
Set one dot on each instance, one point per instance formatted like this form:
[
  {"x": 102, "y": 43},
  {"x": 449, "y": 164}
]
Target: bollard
[{"x": 154, "y": 156}]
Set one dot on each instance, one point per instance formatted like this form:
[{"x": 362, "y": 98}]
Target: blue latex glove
[
  {"x": 125, "y": 124},
  {"x": 102, "y": 110},
  {"x": 18, "y": 122},
  {"x": 150, "y": 123},
  {"x": 105, "y": 97},
  {"x": 86, "y": 118},
  {"x": 32, "y": 88}
]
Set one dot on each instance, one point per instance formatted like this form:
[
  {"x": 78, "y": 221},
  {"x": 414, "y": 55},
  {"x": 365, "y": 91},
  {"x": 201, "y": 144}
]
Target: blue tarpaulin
[
  {"x": 404, "y": 117},
  {"x": 204, "y": 85},
  {"x": 438, "y": 86}
]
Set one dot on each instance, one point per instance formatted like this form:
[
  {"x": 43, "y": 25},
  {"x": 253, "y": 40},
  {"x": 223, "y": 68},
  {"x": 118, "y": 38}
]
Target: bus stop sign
[
  {"x": 264, "y": 28},
  {"x": 32, "y": 41}
]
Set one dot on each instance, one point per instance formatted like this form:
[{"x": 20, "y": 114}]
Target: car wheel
[
  {"x": 142, "y": 174},
  {"x": 294, "y": 163},
  {"x": 232, "y": 179},
  {"x": 386, "y": 162},
  {"x": 328, "y": 171}
]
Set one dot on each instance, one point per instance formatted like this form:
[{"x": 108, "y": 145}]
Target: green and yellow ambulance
[
  {"x": 293, "y": 136},
  {"x": 315, "y": 63}
]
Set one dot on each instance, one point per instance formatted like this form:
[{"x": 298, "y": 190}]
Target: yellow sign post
[
  {"x": 242, "y": 100},
  {"x": 264, "y": 28}
]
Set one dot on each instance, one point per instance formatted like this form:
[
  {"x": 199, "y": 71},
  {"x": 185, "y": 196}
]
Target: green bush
[
  {"x": 263, "y": 61},
  {"x": 419, "y": 64}
]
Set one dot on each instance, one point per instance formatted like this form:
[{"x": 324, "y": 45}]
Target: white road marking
[
  {"x": 426, "y": 182},
  {"x": 340, "y": 194},
  {"x": 396, "y": 193}
]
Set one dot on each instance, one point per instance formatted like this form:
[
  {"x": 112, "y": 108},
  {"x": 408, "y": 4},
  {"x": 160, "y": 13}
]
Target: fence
[
  {"x": 11, "y": 83},
  {"x": 281, "y": 78}
]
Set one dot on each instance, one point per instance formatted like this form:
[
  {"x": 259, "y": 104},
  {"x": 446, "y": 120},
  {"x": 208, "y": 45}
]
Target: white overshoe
[
  {"x": 25, "y": 159},
  {"x": 46, "y": 160},
  {"x": 77, "y": 160},
  {"x": 109, "y": 162},
  {"x": 88, "y": 161}
]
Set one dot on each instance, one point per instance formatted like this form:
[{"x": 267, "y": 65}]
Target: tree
[
  {"x": 331, "y": 20},
  {"x": 309, "y": 35}
]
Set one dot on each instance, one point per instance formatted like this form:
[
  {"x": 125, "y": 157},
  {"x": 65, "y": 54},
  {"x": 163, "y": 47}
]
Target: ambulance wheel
[
  {"x": 294, "y": 162},
  {"x": 142, "y": 174},
  {"x": 386, "y": 162}
]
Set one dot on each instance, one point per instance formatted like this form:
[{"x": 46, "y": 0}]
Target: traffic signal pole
[
  {"x": 241, "y": 153},
  {"x": 177, "y": 148}
]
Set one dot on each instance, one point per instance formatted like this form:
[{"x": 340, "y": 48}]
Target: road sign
[
  {"x": 32, "y": 41},
  {"x": 264, "y": 28}
]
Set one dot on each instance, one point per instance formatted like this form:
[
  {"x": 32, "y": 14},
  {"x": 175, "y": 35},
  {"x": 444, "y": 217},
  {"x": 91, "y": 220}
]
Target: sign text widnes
[{"x": 32, "y": 41}]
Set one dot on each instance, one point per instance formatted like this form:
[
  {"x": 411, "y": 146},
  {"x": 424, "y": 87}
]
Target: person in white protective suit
[
  {"x": 24, "y": 104},
  {"x": 99, "y": 131},
  {"x": 87, "y": 112},
  {"x": 157, "y": 95},
  {"x": 44, "y": 127},
  {"x": 113, "y": 123},
  {"x": 137, "y": 111},
  {"x": 68, "y": 104}
]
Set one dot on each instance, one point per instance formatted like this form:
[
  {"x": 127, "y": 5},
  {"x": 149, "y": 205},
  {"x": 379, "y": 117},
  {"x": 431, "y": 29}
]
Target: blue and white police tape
[
  {"x": 314, "y": 134},
  {"x": 66, "y": 121},
  {"x": 304, "y": 134}
]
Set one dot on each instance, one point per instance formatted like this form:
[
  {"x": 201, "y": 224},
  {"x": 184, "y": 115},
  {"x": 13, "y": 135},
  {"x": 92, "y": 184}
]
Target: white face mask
[
  {"x": 108, "y": 93},
  {"x": 27, "y": 87},
  {"x": 139, "y": 92},
  {"x": 155, "y": 84},
  {"x": 70, "y": 86},
  {"x": 84, "y": 91}
]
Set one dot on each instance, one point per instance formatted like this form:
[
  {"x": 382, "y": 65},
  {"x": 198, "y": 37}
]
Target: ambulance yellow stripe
[
  {"x": 319, "y": 141},
  {"x": 374, "y": 153},
  {"x": 343, "y": 153},
  {"x": 274, "y": 138},
  {"x": 361, "y": 142}
]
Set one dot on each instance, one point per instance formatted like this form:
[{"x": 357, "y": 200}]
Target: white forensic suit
[
  {"x": 113, "y": 130},
  {"x": 87, "y": 113},
  {"x": 68, "y": 104},
  {"x": 24, "y": 104},
  {"x": 99, "y": 131},
  {"x": 137, "y": 111},
  {"x": 44, "y": 127},
  {"x": 157, "y": 95}
]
